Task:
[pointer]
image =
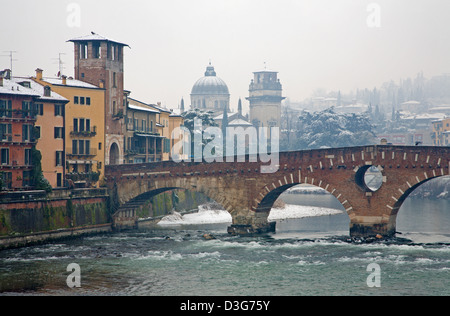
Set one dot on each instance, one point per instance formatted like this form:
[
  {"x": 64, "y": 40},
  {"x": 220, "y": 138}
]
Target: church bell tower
[{"x": 265, "y": 96}]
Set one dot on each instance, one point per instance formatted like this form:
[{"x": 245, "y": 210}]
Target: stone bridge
[{"x": 248, "y": 194}]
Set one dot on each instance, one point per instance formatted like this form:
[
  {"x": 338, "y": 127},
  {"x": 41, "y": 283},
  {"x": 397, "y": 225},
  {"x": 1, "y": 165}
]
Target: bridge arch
[
  {"x": 409, "y": 187},
  {"x": 142, "y": 190},
  {"x": 269, "y": 196}
]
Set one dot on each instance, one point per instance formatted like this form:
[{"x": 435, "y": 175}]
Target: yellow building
[
  {"x": 84, "y": 128},
  {"x": 441, "y": 131},
  {"x": 162, "y": 125},
  {"x": 142, "y": 138}
]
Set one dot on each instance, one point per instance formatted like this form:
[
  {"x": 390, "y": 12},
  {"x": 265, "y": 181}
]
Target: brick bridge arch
[{"x": 249, "y": 194}]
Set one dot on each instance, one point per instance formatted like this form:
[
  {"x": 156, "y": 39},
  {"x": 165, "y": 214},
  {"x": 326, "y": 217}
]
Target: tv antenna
[
  {"x": 11, "y": 57},
  {"x": 60, "y": 64}
]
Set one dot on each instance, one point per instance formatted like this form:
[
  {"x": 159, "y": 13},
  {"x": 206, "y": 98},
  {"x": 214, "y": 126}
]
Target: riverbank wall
[{"x": 34, "y": 217}]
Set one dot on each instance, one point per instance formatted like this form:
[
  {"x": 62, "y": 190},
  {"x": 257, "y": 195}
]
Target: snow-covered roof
[
  {"x": 70, "y": 82},
  {"x": 142, "y": 108},
  {"x": 240, "y": 122},
  {"x": 95, "y": 37},
  {"x": 425, "y": 116},
  {"x": 38, "y": 89},
  {"x": 411, "y": 102},
  {"x": 12, "y": 87}
]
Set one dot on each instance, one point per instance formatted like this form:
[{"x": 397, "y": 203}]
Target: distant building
[
  {"x": 265, "y": 96},
  {"x": 210, "y": 93},
  {"x": 148, "y": 132},
  {"x": 143, "y": 141},
  {"x": 412, "y": 106},
  {"x": 441, "y": 131},
  {"x": 352, "y": 108}
]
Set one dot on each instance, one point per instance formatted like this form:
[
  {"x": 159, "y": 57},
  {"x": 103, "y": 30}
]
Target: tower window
[
  {"x": 96, "y": 50},
  {"x": 114, "y": 80},
  {"x": 83, "y": 51},
  {"x": 113, "y": 52}
]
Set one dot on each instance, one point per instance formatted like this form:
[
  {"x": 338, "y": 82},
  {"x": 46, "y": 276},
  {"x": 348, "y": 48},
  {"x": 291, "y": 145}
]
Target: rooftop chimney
[
  {"x": 1, "y": 80},
  {"x": 64, "y": 79},
  {"x": 39, "y": 74}
]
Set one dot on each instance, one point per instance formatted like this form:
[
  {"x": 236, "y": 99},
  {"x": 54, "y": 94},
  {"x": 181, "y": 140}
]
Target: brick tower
[{"x": 99, "y": 61}]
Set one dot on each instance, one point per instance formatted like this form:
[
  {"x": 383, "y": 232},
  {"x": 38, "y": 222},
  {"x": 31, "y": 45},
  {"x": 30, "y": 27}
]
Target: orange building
[
  {"x": 22, "y": 124},
  {"x": 49, "y": 110}
]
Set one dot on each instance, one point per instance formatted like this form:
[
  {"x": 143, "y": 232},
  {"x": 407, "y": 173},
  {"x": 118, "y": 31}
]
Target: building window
[
  {"x": 88, "y": 147},
  {"x": 40, "y": 109},
  {"x": 166, "y": 145},
  {"x": 75, "y": 125},
  {"x": 96, "y": 50},
  {"x": 81, "y": 147},
  {"x": 82, "y": 100},
  {"x": 28, "y": 161},
  {"x": 5, "y": 108},
  {"x": 7, "y": 180},
  {"x": 88, "y": 101},
  {"x": 47, "y": 91},
  {"x": 74, "y": 147},
  {"x": 26, "y": 109},
  {"x": 6, "y": 132},
  {"x": 58, "y": 110},
  {"x": 59, "y": 180},
  {"x": 83, "y": 51},
  {"x": 114, "y": 80},
  {"x": 81, "y": 129},
  {"x": 99, "y": 146},
  {"x": 26, "y": 132},
  {"x": 113, "y": 52},
  {"x": 75, "y": 100},
  {"x": 5, "y": 156},
  {"x": 58, "y": 133},
  {"x": 26, "y": 179},
  {"x": 59, "y": 158}
]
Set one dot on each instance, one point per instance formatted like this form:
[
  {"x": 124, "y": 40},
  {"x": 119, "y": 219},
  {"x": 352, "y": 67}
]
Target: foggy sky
[{"x": 311, "y": 43}]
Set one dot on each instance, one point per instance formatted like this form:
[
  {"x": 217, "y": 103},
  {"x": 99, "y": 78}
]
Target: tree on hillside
[
  {"x": 327, "y": 129},
  {"x": 207, "y": 120}
]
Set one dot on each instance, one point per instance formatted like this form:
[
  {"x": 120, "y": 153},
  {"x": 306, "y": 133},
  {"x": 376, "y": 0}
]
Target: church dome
[{"x": 210, "y": 84}]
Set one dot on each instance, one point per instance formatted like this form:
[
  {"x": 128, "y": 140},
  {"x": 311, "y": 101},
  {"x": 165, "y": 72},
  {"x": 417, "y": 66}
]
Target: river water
[{"x": 308, "y": 255}]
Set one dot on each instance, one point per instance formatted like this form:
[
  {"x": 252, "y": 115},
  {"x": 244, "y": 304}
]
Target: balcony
[
  {"x": 81, "y": 153},
  {"x": 17, "y": 115},
  {"x": 88, "y": 133}
]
